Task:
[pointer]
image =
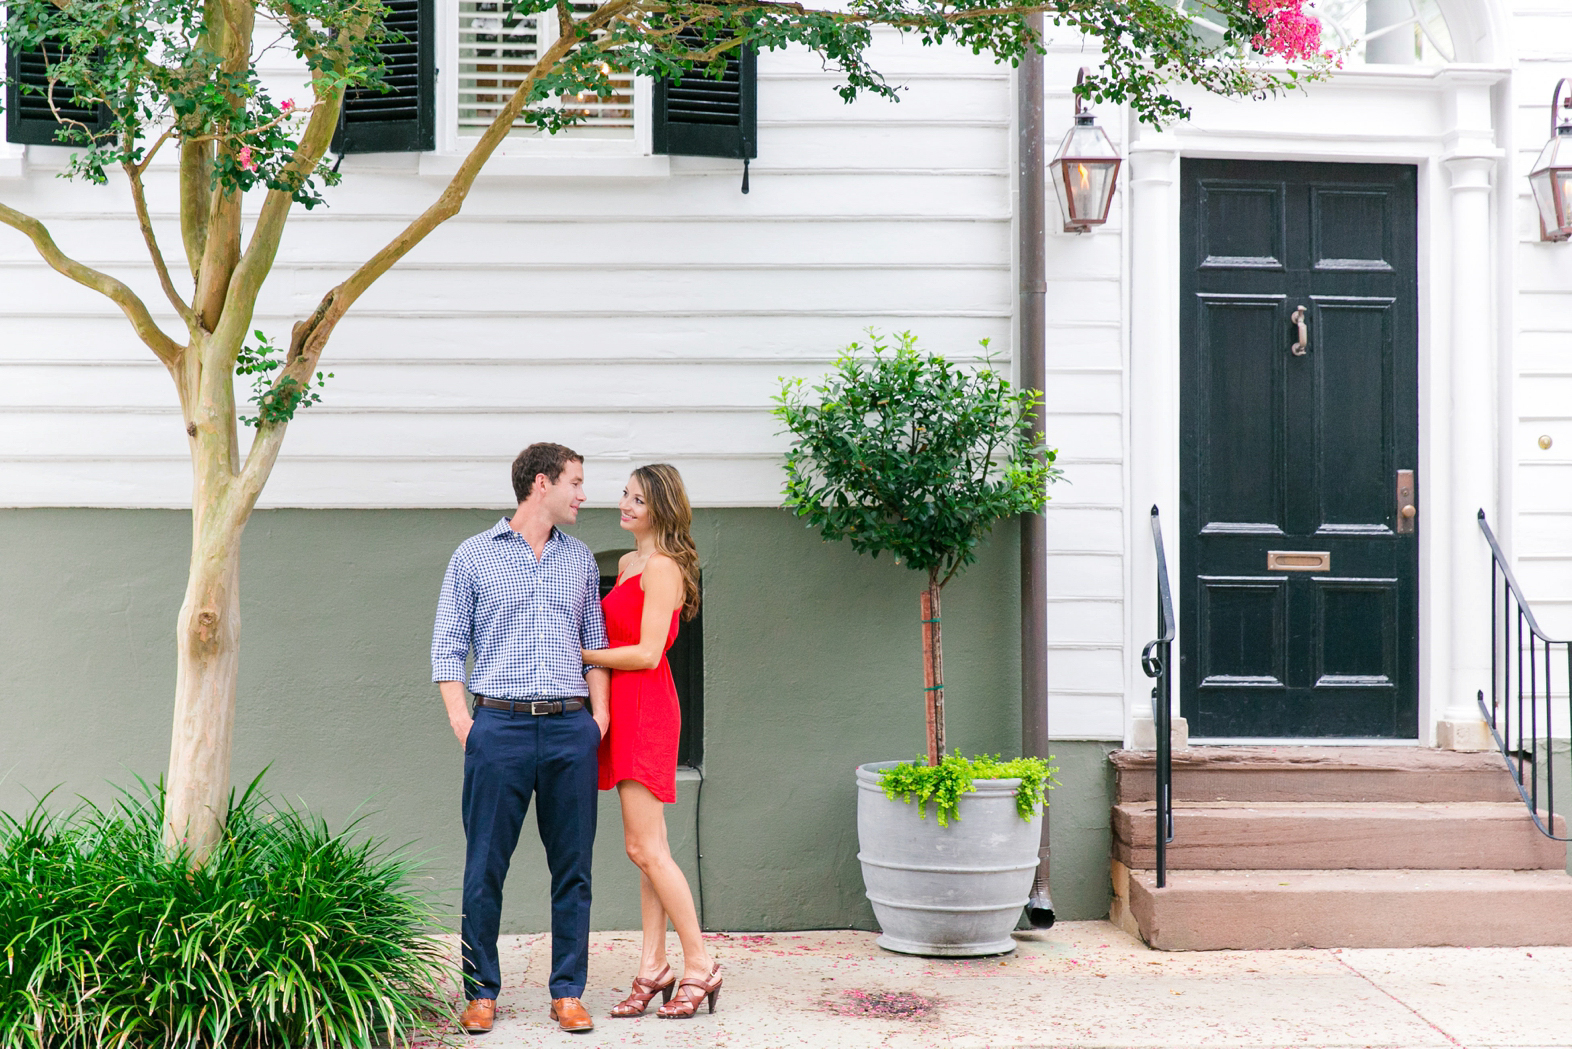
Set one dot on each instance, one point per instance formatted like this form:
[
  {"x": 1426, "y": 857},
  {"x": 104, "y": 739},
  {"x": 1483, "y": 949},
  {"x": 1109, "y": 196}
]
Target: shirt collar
[{"x": 503, "y": 528}]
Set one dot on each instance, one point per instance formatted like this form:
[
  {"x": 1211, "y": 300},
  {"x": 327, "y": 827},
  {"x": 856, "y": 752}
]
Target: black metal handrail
[
  {"x": 1156, "y": 659},
  {"x": 1519, "y": 731}
]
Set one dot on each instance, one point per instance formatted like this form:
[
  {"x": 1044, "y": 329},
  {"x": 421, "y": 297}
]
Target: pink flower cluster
[
  {"x": 1290, "y": 33},
  {"x": 243, "y": 158}
]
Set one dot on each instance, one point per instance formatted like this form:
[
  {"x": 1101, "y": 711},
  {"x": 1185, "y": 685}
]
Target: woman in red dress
[{"x": 657, "y": 584}]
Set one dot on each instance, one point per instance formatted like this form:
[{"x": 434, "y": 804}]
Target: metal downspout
[{"x": 1031, "y": 229}]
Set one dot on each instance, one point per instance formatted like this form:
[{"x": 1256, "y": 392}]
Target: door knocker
[{"x": 1298, "y": 317}]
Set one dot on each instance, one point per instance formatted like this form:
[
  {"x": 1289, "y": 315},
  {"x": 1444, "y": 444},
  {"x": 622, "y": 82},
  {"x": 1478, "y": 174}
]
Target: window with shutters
[
  {"x": 696, "y": 115},
  {"x": 400, "y": 116},
  {"x": 31, "y": 108},
  {"x": 699, "y": 115},
  {"x": 497, "y": 49}
]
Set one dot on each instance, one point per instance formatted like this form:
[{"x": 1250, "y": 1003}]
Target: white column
[
  {"x": 1154, "y": 399},
  {"x": 1469, "y": 161}
]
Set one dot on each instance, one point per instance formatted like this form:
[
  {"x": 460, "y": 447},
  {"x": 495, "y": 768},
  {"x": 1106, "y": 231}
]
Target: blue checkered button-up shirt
[{"x": 526, "y": 619}]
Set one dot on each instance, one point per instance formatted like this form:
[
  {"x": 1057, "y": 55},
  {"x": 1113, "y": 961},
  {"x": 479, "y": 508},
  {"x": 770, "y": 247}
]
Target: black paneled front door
[{"x": 1299, "y": 567}]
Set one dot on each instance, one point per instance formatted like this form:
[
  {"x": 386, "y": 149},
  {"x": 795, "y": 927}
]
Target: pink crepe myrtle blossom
[
  {"x": 287, "y": 107},
  {"x": 1290, "y": 33},
  {"x": 243, "y": 158}
]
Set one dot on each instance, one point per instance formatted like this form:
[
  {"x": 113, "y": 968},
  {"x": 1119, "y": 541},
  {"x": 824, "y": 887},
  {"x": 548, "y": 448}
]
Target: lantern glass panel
[
  {"x": 1551, "y": 181},
  {"x": 1088, "y": 186},
  {"x": 1084, "y": 170}
]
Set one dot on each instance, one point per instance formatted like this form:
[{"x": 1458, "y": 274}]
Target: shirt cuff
[{"x": 447, "y": 671}]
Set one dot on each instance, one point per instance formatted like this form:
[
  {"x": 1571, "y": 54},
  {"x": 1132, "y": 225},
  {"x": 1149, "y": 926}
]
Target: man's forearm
[
  {"x": 457, "y": 702},
  {"x": 599, "y": 682}
]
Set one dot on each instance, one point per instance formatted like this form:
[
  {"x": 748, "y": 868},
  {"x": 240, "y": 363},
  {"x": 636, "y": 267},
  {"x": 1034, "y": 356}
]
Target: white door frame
[{"x": 1447, "y": 122}]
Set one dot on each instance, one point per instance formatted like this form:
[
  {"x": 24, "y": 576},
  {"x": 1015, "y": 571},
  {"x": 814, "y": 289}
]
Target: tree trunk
[
  {"x": 933, "y": 669},
  {"x": 208, "y": 643}
]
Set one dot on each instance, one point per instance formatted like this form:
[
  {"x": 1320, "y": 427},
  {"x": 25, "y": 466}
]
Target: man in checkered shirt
[{"x": 525, "y": 598}]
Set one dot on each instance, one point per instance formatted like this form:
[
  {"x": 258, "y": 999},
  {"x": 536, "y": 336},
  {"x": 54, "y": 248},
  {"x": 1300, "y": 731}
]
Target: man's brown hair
[{"x": 540, "y": 458}]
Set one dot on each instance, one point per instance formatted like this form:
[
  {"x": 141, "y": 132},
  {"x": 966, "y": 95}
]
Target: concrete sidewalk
[{"x": 1078, "y": 984}]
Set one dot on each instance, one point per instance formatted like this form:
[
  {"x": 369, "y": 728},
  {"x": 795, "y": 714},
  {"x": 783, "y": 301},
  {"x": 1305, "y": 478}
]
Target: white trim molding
[{"x": 1442, "y": 121}]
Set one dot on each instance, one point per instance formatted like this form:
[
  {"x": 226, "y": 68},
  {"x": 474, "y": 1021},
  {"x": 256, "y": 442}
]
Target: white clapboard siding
[
  {"x": 1084, "y": 399},
  {"x": 633, "y": 316},
  {"x": 1542, "y": 397}
]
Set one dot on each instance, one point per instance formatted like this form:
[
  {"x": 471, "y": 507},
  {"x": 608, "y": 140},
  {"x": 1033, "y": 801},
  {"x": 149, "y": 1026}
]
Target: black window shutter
[
  {"x": 699, "y": 116},
  {"x": 402, "y": 119},
  {"x": 28, "y": 117}
]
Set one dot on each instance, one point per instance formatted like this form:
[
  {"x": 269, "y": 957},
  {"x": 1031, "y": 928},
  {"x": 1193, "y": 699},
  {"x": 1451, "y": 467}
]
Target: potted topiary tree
[{"x": 901, "y": 451}]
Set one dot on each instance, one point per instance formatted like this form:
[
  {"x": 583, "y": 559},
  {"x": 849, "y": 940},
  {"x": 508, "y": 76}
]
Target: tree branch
[
  {"x": 246, "y": 283},
  {"x": 196, "y": 193},
  {"x": 311, "y": 334},
  {"x": 260, "y": 460},
  {"x": 165, "y": 348},
  {"x": 139, "y": 198},
  {"x": 152, "y": 151},
  {"x": 221, "y": 251}
]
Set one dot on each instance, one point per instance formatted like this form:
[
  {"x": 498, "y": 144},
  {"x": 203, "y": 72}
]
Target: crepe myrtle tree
[
  {"x": 898, "y": 451},
  {"x": 182, "y": 76}
]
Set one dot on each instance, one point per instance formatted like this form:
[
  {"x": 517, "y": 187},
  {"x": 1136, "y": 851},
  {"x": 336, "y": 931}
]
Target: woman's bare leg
[
  {"x": 653, "y": 959},
  {"x": 644, "y": 834}
]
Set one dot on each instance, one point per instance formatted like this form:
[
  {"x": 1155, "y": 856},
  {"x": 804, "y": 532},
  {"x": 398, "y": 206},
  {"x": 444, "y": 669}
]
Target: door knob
[
  {"x": 1406, "y": 508},
  {"x": 1298, "y": 317}
]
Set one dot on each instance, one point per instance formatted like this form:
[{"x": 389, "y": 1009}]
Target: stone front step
[
  {"x": 1255, "y": 910},
  {"x": 1348, "y": 774},
  {"x": 1467, "y": 835}
]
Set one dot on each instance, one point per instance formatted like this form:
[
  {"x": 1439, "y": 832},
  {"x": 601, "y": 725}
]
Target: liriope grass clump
[{"x": 289, "y": 935}]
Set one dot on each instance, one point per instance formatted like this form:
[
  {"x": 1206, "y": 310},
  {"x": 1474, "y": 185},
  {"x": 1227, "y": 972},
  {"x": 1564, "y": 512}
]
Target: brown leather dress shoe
[
  {"x": 571, "y": 1015},
  {"x": 478, "y": 1016}
]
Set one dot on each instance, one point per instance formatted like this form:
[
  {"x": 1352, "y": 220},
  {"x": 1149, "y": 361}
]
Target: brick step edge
[
  {"x": 1332, "y": 774},
  {"x": 1256, "y": 910},
  {"x": 1274, "y": 836}
]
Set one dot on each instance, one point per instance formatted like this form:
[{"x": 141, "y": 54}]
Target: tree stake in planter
[{"x": 905, "y": 452}]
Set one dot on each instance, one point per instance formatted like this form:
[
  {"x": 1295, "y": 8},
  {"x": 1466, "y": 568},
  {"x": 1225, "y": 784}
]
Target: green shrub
[
  {"x": 289, "y": 935},
  {"x": 945, "y": 782},
  {"x": 904, "y": 451}
]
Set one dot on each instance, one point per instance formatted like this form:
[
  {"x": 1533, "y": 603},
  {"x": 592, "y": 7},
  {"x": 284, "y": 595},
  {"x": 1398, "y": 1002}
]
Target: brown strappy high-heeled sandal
[
  {"x": 643, "y": 991},
  {"x": 690, "y": 993}
]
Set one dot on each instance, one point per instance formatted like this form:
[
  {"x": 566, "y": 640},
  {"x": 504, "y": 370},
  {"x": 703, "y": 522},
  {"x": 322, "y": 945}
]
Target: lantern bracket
[
  {"x": 1090, "y": 157},
  {"x": 1549, "y": 177}
]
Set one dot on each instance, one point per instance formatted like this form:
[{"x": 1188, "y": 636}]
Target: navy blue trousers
[{"x": 508, "y": 757}]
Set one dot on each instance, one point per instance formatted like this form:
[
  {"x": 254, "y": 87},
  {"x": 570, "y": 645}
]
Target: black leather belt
[{"x": 531, "y": 706}]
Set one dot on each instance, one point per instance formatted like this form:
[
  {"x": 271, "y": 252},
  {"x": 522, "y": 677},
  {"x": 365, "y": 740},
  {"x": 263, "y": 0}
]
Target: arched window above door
[
  {"x": 1368, "y": 32},
  {"x": 1386, "y": 32}
]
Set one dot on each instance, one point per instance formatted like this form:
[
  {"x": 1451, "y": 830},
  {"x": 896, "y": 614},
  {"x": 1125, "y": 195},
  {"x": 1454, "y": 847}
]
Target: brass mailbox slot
[{"x": 1298, "y": 560}]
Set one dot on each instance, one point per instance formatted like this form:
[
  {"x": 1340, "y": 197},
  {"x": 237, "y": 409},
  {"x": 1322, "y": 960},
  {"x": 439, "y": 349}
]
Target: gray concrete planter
[{"x": 953, "y": 891}]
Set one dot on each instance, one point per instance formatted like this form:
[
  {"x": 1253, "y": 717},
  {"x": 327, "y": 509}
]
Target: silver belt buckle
[{"x": 541, "y": 706}]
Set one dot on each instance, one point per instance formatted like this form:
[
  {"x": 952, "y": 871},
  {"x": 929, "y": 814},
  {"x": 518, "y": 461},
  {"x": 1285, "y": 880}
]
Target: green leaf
[
  {"x": 946, "y": 782},
  {"x": 901, "y": 451}
]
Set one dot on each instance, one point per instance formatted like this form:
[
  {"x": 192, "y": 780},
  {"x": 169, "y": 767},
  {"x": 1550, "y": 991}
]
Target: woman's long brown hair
[{"x": 671, "y": 520}]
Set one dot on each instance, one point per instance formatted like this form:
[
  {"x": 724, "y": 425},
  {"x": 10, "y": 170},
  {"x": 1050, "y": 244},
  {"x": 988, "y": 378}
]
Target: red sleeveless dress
[{"x": 645, "y": 720}]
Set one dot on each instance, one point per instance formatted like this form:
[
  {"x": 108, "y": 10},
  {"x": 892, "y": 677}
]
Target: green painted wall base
[{"x": 811, "y": 667}]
